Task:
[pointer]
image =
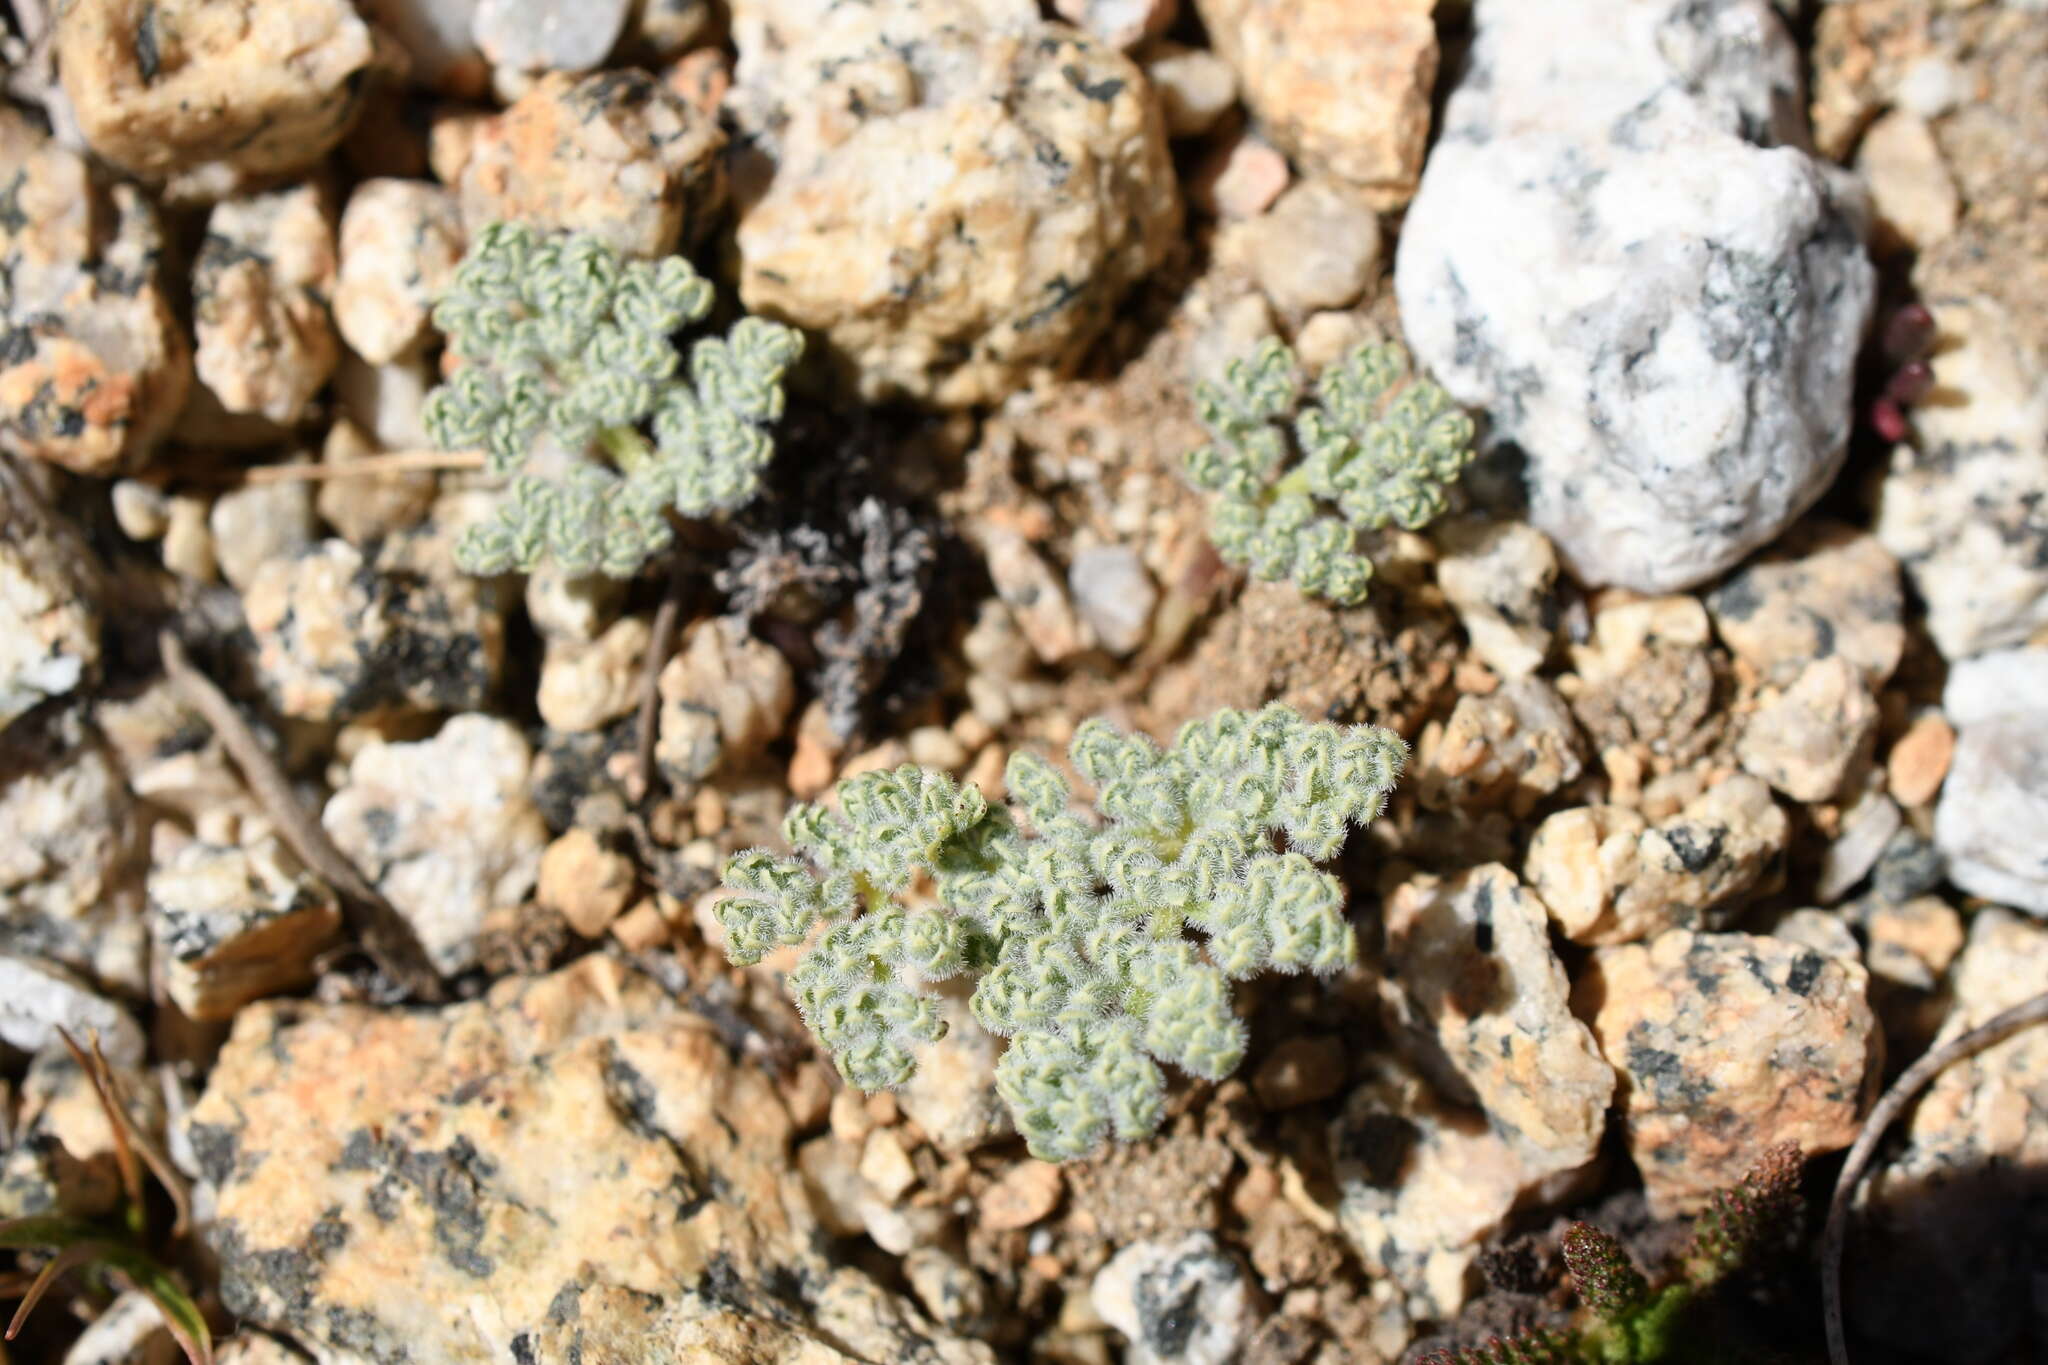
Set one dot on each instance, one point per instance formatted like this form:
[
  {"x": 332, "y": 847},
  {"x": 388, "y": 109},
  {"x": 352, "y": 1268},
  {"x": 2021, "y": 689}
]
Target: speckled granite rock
[
  {"x": 37, "y": 998},
  {"x": 1994, "y": 803},
  {"x": 1825, "y": 590},
  {"x": 1673, "y": 426},
  {"x": 233, "y": 925},
  {"x": 1187, "y": 1302},
  {"x": 1807, "y": 738},
  {"x": 93, "y": 363},
  {"x": 1501, "y": 579},
  {"x": 1421, "y": 1184},
  {"x": 400, "y": 241},
  {"x": 615, "y": 154},
  {"x": 1029, "y": 188},
  {"x": 1609, "y": 876},
  {"x": 1726, "y": 1044},
  {"x": 1512, "y": 746},
  {"x": 259, "y": 89},
  {"x": 445, "y": 853},
  {"x": 1961, "y": 507},
  {"x": 1947, "y": 1219},
  {"x": 1486, "y": 993},
  {"x": 72, "y": 856},
  {"x": 49, "y": 608},
  {"x": 1343, "y": 86},
  {"x": 259, "y": 302},
  {"x": 336, "y": 638},
  {"x": 574, "y": 1158}
]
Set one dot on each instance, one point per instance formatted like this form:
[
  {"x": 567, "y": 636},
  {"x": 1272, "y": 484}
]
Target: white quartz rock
[{"x": 1619, "y": 252}]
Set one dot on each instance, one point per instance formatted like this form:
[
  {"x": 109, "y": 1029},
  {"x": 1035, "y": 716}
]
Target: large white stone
[{"x": 1619, "y": 252}]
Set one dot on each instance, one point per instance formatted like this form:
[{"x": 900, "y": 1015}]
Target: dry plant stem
[
  {"x": 659, "y": 642},
  {"x": 1903, "y": 1092},
  {"x": 397, "y": 462},
  {"x": 378, "y": 926},
  {"x": 129, "y": 1138}
]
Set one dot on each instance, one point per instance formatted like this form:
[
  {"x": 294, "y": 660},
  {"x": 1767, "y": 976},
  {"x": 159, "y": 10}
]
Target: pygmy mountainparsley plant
[
  {"x": 1380, "y": 447},
  {"x": 1077, "y": 927},
  {"x": 572, "y": 382}
]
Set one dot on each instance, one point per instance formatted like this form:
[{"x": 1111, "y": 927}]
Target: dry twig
[
  {"x": 377, "y": 925},
  {"x": 397, "y": 462},
  {"x": 660, "y": 641},
  {"x": 1902, "y": 1093}
]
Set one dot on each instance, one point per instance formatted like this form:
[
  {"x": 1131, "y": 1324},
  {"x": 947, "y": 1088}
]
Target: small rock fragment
[
  {"x": 1912, "y": 196},
  {"x": 232, "y": 925},
  {"x": 72, "y": 857},
  {"x": 589, "y": 884},
  {"x": 129, "y": 1331},
  {"x": 1027, "y": 1192},
  {"x": 444, "y": 853},
  {"x": 1826, "y": 590},
  {"x": 1866, "y": 830},
  {"x": 49, "y": 609},
  {"x": 1726, "y": 1044},
  {"x": 588, "y": 686},
  {"x": 1919, "y": 759},
  {"x": 572, "y": 608},
  {"x": 1994, "y": 803},
  {"x": 614, "y": 154},
  {"x": 1607, "y": 876},
  {"x": 548, "y": 35},
  {"x": 165, "y": 88},
  {"x": 1114, "y": 595},
  {"x": 1186, "y": 1303},
  {"x": 336, "y": 639},
  {"x": 1421, "y": 1185},
  {"x": 1807, "y": 739},
  {"x": 1912, "y": 943},
  {"x": 952, "y": 1095},
  {"x": 1514, "y": 746},
  {"x": 96, "y": 365},
  {"x": 1344, "y": 88},
  {"x": 1195, "y": 86},
  {"x": 364, "y": 509},
  {"x": 1240, "y": 178},
  {"x": 1032, "y": 591},
  {"x": 885, "y": 1165},
  {"x": 400, "y": 242},
  {"x": 65, "y": 1131},
  {"x": 1032, "y": 188},
  {"x": 725, "y": 694},
  {"x": 257, "y": 523},
  {"x": 1481, "y": 982},
  {"x": 38, "y": 998},
  {"x": 259, "y": 302},
  {"x": 1123, "y": 24},
  {"x": 1501, "y": 579},
  {"x": 1961, "y": 505},
  {"x": 1318, "y": 247}
]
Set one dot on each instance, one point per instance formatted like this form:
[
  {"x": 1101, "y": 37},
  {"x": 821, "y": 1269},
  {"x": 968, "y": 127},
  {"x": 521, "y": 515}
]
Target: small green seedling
[
  {"x": 1078, "y": 928},
  {"x": 1379, "y": 448},
  {"x": 571, "y": 382}
]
